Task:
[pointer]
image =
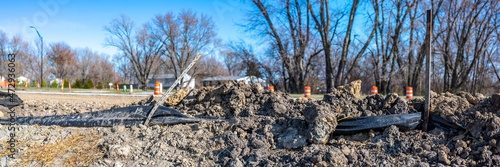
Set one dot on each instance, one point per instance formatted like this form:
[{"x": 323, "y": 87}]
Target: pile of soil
[{"x": 257, "y": 127}]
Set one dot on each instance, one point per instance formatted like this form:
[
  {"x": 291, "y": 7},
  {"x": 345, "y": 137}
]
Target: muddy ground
[{"x": 262, "y": 128}]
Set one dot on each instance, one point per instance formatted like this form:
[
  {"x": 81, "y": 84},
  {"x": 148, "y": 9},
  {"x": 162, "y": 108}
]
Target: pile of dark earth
[
  {"x": 263, "y": 128},
  {"x": 267, "y": 128}
]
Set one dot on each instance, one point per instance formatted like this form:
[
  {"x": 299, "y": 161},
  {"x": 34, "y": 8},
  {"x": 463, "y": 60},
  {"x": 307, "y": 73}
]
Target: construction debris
[
  {"x": 9, "y": 100},
  {"x": 176, "y": 98},
  {"x": 264, "y": 128},
  {"x": 126, "y": 116}
]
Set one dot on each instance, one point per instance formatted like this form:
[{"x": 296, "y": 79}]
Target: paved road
[{"x": 143, "y": 94}]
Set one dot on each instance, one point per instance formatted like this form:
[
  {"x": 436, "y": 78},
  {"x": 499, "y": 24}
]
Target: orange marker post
[
  {"x": 38, "y": 84},
  {"x": 69, "y": 85},
  {"x": 26, "y": 86},
  {"x": 374, "y": 90},
  {"x": 157, "y": 91},
  {"x": 271, "y": 88},
  {"x": 62, "y": 86},
  {"x": 409, "y": 92},
  {"x": 117, "y": 88},
  {"x": 307, "y": 91}
]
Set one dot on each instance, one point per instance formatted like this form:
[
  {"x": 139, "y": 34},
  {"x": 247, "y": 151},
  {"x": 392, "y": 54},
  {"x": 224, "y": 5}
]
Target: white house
[
  {"x": 57, "y": 80},
  {"x": 22, "y": 79},
  {"x": 168, "y": 79},
  {"x": 214, "y": 81}
]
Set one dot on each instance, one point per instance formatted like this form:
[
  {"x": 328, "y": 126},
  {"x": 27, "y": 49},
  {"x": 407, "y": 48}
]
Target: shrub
[
  {"x": 66, "y": 83},
  {"x": 54, "y": 85},
  {"x": 44, "y": 84},
  {"x": 77, "y": 84},
  {"x": 89, "y": 84},
  {"x": 99, "y": 85}
]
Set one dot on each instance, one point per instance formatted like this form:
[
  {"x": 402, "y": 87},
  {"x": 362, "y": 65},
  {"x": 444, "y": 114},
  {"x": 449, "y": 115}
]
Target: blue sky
[{"x": 81, "y": 23}]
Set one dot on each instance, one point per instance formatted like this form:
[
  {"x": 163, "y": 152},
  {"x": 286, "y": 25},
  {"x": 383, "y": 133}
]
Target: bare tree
[
  {"x": 288, "y": 27},
  {"x": 327, "y": 33},
  {"x": 62, "y": 59},
  {"x": 183, "y": 37},
  {"x": 243, "y": 59},
  {"x": 209, "y": 67},
  {"x": 137, "y": 46},
  {"x": 4, "y": 44},
  {"x": 468, "y": 28},
  {"x": 324, "y": 29}
]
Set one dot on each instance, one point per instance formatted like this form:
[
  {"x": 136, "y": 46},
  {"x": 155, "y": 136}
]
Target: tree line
[
  {"x": 60, "y": 61},
  {"x": 312, "y": 43},
  {"x": 320, "y": 43}
]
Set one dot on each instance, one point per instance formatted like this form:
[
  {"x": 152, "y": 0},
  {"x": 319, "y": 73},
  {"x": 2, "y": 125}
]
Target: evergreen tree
[
  {"x": 54, "y": 84},
  {"x": 77, "y": 84},
  {"x": 44, "y": 84},
  {"x": 99, "y": 85},
  {"x": 89, "y": 84},
  {"x": 66, "y": 83}
]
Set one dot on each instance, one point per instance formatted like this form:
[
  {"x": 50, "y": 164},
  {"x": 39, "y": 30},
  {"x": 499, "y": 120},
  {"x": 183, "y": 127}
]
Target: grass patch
[
  {"x": 316, "y": 96},
  {"x": 79, "y": 149}
]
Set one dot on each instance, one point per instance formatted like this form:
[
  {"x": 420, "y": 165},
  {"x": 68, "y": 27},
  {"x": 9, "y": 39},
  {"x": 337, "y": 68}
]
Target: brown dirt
[{"x": 263, "y": 128}]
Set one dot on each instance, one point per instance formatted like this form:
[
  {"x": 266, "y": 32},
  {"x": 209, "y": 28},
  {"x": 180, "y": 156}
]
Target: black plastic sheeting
[
  {"x": 9, "y": 100},
  {"x": 403, "y": 121},
  {"x": 126, "y": 116}
]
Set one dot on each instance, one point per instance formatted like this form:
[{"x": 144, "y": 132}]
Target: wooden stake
[{"x": 428, "y": 72}]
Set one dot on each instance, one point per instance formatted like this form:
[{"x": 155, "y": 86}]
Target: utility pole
[
  {"x": 428, "y": 71},
  {"x": 41, "y": 56}
]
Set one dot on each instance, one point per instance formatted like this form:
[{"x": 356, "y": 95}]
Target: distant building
[
  {"x": 57, "y": 80},
  {"x": 22, "y": 79},
  {"x": 220, "y": 80},
  {"x": 3, "y": 82},
  {"x": 168, "y": 79}
]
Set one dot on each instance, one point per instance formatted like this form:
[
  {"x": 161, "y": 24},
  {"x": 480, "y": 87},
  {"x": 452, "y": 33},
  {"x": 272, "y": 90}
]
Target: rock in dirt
[
  {"x": 322, "y": 122},
  {"x": 119, "y": 151},
  {"x": 235, "y": 163},
  {"x": 471, "y": 99},
  {"x": 290, "y": 139},
  {"x": 302, "y": 100},
  {"x": 390, "y": 99},
  {"x": 443, "y": 157},
  {"x": 447, "y": 104},
  {"x": 176, "y": 98},
  {"x": 354, "y": 87},
  {"x": 400, "y": 107},
  {"x": 3, "y": 161},
  {"x": 495, "y": 99},
  {"x": 3, "y": 111}
]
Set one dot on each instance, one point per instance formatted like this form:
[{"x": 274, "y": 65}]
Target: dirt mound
[
  {"x": 238, "y": 99},
  {"x": 354, "y": 87},
  {"x": 176, "y": 98},
  {"x": 257, "y": 127}
]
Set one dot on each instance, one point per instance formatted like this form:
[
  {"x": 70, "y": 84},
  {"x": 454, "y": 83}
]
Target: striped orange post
[
  {"x": 62, "y": 86},
  {"x": 38, "y": 84},
  {"x": 409, "y": 92},
  {"x": 69, "y": 85},
  {"x": 271, "y": 88},
  {"x": 26, "y": 86},
  {"x": 374, "y": 90},
  {"x": 187, "y": 87},
  {"x": 117, "y": 88},
  {"x": 307, "y": 91},
  {"x": 157, "y": 89}
]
